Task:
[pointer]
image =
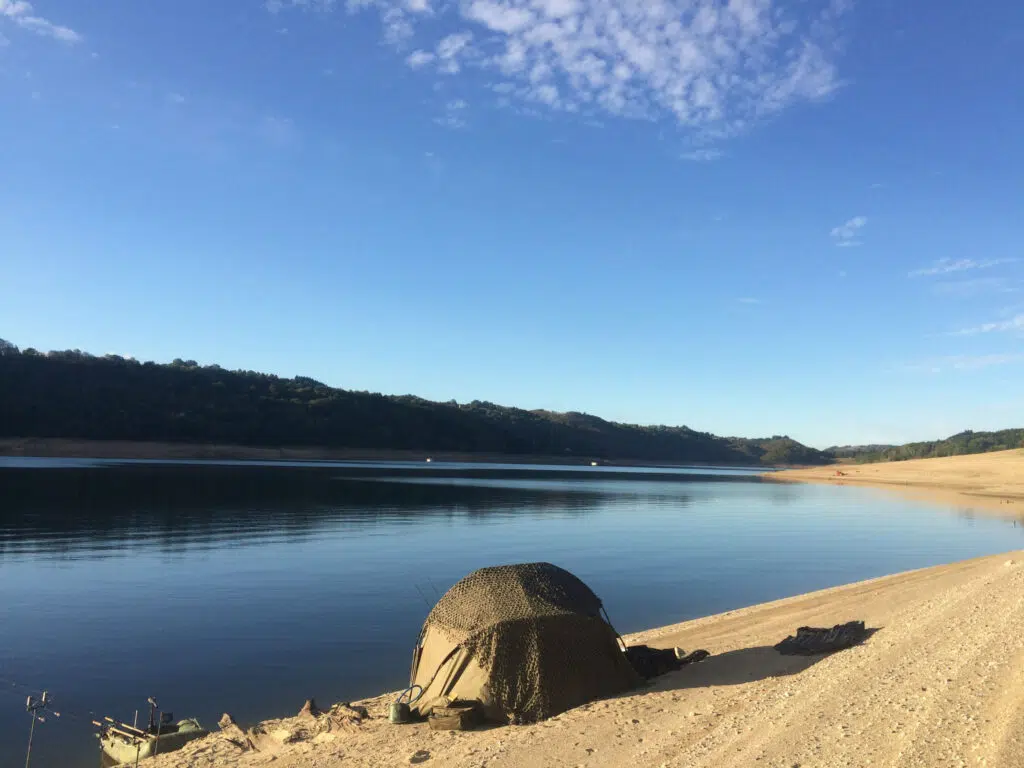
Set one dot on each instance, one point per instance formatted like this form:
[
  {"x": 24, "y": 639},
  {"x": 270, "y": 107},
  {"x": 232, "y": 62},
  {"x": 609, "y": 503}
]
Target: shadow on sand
[{"x": 746, "y": 665}]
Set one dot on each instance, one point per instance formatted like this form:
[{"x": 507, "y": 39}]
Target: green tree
[{"x": 76, "y": 395}]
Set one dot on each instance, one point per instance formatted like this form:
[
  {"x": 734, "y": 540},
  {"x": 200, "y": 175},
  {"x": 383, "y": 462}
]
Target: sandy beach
[
  {"x": 993, "y": 481},
  {"x": 941, "y": 682}
]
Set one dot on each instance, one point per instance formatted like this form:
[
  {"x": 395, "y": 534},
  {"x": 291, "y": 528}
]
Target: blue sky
[{"x": 751, "y": 217}]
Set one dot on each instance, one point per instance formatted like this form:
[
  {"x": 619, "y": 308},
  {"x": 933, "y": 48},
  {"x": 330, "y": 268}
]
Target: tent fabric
[{"x": 528, "y": 641}]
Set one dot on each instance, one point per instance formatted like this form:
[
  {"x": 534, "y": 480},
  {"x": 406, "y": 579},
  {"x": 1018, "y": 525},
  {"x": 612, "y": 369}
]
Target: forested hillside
[
  {"x": 847, "y": 451},
  {"x": 73, "y": 394},
  {"x": 961, "y": 443}
]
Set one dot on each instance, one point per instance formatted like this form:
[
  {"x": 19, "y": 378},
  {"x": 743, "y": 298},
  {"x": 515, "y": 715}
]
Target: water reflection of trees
[{"x": 106, "y": 511}]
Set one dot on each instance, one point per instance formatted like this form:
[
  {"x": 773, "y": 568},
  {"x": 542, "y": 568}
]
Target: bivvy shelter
[{"x": 527, "y": 641}]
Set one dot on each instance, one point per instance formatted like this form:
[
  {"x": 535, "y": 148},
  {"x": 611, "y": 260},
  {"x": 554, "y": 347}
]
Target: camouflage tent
[{"x": 527, "y": 641}]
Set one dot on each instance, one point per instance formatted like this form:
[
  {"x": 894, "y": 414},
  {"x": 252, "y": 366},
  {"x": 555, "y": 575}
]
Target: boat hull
[{"x": 120, "y": 750}]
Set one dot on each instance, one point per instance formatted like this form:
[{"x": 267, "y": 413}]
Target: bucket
[
  {"x": 400, "y": 710},
  {"x": 399, "y": 713}
]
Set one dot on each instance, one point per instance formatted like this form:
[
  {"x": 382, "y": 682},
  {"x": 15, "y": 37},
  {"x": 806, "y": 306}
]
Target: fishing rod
[
  {"x": 38, "y": 703},
  {"x": 34, "y": 706},
  {"x": 6, "y": 684}
]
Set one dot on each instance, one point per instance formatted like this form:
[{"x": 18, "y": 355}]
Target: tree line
[
  {"x": 961, "y": 443},
  {"x": 73, "y": 394}
]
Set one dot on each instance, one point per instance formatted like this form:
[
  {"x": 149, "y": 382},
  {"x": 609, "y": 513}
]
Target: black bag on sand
[
  {"x": 809, "y": 641},
  {"x": 651, "y": 662}
]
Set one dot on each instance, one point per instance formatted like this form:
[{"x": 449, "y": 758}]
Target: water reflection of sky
[{"x": 250, "y": 589}]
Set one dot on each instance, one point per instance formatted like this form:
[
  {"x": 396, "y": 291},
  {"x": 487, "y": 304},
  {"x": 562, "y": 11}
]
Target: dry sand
[
  {"x": 941, "y": 683},
  {"x": 993, "y": 481}
]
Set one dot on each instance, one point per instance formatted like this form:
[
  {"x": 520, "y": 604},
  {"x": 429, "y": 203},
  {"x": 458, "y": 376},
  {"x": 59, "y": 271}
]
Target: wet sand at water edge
[{"x": 991, "y": 481}]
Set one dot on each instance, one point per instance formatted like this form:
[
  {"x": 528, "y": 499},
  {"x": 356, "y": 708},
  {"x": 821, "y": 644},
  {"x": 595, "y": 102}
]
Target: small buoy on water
[{"x": 429, "y": 460}]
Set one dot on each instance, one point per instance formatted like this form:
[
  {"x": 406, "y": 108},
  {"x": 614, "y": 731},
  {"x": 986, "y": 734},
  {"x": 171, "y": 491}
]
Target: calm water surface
[{"x": 249, "y": 587}]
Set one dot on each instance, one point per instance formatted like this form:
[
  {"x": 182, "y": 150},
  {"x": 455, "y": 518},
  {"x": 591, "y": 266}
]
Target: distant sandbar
[{"x": 989, "y": 480}]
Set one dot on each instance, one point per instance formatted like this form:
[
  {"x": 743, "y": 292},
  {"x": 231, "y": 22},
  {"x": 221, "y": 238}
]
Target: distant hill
[
  {"x": 843, "y": 451},
  {"x": 73, "y": 394},
  {"x": 961, "y": 443}
]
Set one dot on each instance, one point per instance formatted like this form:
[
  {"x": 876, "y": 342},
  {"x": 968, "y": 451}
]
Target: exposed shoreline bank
[
  {"x": 67, "y": 448},
  {"x": 939, "y": 682},
  {"x": 989, "y": 481}
]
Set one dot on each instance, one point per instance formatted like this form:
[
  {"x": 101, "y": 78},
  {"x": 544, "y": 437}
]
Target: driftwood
[
  {"x": 234, "y": 733},
  {"x": 313, "y": 722},
  {"x": 356, "y": 711}
]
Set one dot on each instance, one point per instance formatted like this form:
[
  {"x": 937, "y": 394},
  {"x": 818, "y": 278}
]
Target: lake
[{"x": 248, "y": 587}]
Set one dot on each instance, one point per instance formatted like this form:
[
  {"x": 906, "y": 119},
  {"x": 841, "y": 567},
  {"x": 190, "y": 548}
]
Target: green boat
[{"x": 125, "y": 744}]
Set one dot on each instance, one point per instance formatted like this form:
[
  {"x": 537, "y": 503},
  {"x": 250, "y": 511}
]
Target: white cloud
[
  {"x": 418, "y": 59},
  {"x": 964, "y": 362},
  {"x": 398, "y": 27},
  {"x": 453, "y": 116},
  {"x": 451, "y": 46},
  {"x": 22, "y": 14},
  {"x": 1002, "y": 326},
  {"x": 845, "y": 235},
  {"x": 703, "y": 155},
  {"x": 500, "y": 16},
  {"x": 714, "y": 66},
  {"x": 970, "y": 363},
  {"x": 547, "y": 94},
  {"x": 396, "y": 16},
  {"x": 275, "y": 6},
  {"x": 945, "y": 266},
  {"x": 558, "y": 9}
]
